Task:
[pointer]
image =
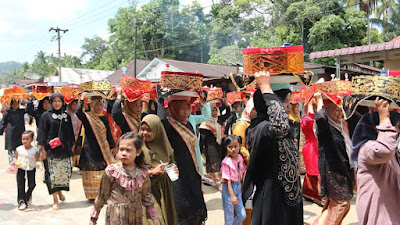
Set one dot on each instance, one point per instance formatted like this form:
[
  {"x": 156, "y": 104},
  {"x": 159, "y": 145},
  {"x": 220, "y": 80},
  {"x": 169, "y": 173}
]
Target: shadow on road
[
  {"x": 71, "y": 205},
  {"x": 214, "y": 204},
  {"x": 209, "y": 189},
  {"x": 7, "y": 206}
]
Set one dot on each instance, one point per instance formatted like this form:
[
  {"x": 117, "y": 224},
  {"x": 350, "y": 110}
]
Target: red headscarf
[{"x": 174, "y": 106}]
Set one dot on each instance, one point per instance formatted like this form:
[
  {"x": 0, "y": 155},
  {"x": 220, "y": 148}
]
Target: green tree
[
  {"x": 71, "y": 61},
  {"x": 94, "y": 48},
  {"x": 338, "y": 31}
]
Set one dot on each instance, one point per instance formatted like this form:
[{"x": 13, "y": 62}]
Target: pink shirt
[
  {"x": 378, "y": 179},
  {"x": 233, "y": 170}
]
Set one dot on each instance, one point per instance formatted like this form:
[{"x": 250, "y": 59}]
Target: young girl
[
  {"x": 232, "y": 169},
  {"x": 25, "y": 159},
  {"x": 125, "y": 186}
]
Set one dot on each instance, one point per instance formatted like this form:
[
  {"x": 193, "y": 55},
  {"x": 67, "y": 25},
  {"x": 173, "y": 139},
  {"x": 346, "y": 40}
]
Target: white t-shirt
[{"x": 27, "y": 158}]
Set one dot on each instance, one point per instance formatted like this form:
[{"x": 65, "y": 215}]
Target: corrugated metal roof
[
  {"x": 78, "y": 76},
  {"x": 393, "y": 44}
]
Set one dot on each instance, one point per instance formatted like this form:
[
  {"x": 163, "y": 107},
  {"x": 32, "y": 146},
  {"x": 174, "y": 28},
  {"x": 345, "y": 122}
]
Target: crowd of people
[{"x": 250, "y": 150}]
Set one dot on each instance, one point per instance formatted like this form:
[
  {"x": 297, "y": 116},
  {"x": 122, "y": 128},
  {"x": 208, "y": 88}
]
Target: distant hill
[{"x": 6, "y": 67}]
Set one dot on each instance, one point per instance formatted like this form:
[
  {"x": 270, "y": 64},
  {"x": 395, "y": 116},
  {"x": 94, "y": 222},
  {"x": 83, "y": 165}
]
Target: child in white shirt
[{"x": 25, "y": 159}]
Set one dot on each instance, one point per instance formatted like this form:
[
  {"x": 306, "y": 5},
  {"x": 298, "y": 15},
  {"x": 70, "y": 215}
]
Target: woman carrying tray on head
[
  {"x": 189, "y": 200},
  {"x": 97, "y": 146},
  {"x": 127, "y": 117},
  {"x": 334, "y": 164},
  {"x": 312, "y": 180},
  {"x": 274, "y": 167}
]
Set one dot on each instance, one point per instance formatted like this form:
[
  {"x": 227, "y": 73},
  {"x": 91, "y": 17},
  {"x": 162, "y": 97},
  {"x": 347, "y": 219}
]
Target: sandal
[
  {"x": 55, "y": 206},
  {"x": 62, "y": 198}
]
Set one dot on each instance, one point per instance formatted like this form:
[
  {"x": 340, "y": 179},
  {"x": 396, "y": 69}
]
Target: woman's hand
[
  {"x": 156, "y": 222},
  {"x": 176, "y": 170},
  {"x": 119, "y": 92},
  {"x": 83, "y": 95},
  {"x": 263, "y": 82},
  {"x": 92, "y": 222},
  {"x": 319, "y": 101},
  {"x": 234, "y": 200},
  {"x": 383, "y": 110},
  {"x": 158, "y": 170}
]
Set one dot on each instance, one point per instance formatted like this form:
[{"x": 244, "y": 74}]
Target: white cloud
[
  {"x": 56, "y": 10},
  {"x": 26, "y": 17}
]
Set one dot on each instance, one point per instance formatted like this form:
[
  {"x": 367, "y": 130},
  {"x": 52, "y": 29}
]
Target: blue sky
[{"x": 25, "y": 24}]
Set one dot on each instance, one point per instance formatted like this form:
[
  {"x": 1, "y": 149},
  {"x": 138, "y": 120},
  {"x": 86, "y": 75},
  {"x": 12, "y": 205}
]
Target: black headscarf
[
  {"x": 40, "y": 106},
  {"x": 62, "y": 109},
  {"x": 261, "y": 108},
  {"x": 282, "y": 93},
  {"x": 366, "y": 130},
  {"x": 149, "y": 110}
]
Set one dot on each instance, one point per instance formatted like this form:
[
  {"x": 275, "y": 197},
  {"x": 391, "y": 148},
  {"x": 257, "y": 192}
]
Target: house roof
[
  {"x": 208, "y": 70},
  {"x": 78, "y": 76},
  {"x": 24, "y": 82},
  {"x": 395, "y": 39},
  {"x": 391, "y": 45}
]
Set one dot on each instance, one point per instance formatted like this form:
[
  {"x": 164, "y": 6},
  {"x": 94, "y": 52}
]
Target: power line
[
  {"x": 236, "y": 34},
  {"x": 92, "y": 11},
  {"x": 45, "y": 36},
  {"x": 78, "y": 22}
]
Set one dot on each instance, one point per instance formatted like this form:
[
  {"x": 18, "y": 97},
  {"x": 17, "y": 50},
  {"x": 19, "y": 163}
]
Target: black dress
[
  {"x": 57, "y": 165},
  {"x": 35, "y": 113},
  {"x": 333, "y": 161},
  {"x": 13, "y": 123},
  {"x": 189, "y": 201},
  {"x": 91, "y": 157},
  {"x": 295, "y": 131},
  {"x": 119, "y": 117},
  {"x": 274, "y": 168},
  {"x": 188, "y": 196},
  {"x": 229, "y": 122},
  {"x": 212, "y": 150}
]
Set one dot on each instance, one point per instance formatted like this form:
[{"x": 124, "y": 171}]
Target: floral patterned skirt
[{"x": 58, "y": 173}]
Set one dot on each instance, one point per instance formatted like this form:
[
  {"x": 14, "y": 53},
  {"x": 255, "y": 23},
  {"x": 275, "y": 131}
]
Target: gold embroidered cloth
[{"x": 276, "y": 60}]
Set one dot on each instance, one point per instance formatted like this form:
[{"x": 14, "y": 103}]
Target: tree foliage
[{"x": 167, "y": 29}]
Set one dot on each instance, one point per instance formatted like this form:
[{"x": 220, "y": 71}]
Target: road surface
[{"x": 76, "y": 209}]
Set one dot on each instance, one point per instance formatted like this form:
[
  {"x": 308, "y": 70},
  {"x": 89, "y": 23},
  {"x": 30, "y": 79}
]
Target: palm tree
[
  {"x": 368, "y": 6},
  {"x": 40, "y": 58},
  {"x": 390, "y": 25},
  {"x": 384, "y": 8}
]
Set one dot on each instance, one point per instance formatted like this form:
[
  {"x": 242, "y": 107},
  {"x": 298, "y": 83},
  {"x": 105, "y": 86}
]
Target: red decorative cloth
[
  {"x": 134, "y": 88},
  {"x": 232, "y": 97}
]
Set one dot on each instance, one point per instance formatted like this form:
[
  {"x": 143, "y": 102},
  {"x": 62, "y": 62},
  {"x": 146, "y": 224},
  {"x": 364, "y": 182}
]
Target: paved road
[{"x": 76, "y": 209}]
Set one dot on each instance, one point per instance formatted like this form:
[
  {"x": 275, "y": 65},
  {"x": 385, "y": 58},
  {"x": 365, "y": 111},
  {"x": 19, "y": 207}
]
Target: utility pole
[
  {"x": 135, "y": 48},
  {"x": 58, "y": 30}
]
